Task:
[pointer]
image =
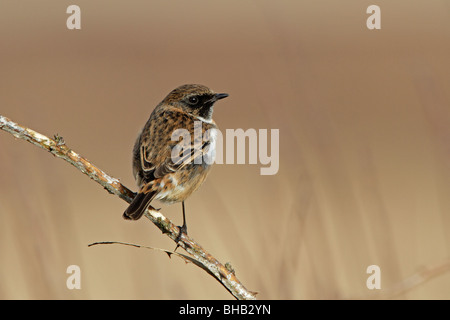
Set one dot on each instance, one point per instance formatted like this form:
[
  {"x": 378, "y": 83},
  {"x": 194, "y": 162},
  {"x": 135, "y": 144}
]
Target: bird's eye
[{"x": 193, "y": 100}]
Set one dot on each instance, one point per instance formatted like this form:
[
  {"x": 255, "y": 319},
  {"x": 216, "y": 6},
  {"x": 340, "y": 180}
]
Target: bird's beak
[{"x": 219, "y": 96}]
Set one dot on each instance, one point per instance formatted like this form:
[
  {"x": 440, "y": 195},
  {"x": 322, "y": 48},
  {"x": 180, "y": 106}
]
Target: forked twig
[
  {"x": 185, "y": 257},
  {"x": 425, "y": 274},
  {"x": 202, "y": 258}
]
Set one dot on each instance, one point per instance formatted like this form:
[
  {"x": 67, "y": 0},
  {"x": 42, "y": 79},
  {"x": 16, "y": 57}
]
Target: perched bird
[{"x": 161, "y": 170}]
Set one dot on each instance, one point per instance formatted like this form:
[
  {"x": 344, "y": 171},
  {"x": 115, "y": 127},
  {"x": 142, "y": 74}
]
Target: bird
[{"x": 164, "y": 168}]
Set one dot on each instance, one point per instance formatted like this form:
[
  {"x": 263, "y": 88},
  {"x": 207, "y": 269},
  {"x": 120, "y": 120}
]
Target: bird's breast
[{"x": 210, "y": 153}]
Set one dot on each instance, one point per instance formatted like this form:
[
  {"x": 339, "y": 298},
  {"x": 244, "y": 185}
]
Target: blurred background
[{"x": 364, "y": 120}]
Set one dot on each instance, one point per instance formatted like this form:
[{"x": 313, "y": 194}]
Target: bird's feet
[{"x": 182, "y": 229}]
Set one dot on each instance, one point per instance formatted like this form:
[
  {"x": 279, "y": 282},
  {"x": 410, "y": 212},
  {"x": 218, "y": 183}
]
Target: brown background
[{"x": 364, "y": 119}]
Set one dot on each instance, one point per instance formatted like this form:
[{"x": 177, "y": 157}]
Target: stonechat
[{"x": 164, "y": 172}]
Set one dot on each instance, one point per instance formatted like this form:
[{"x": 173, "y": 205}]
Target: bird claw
[{"x": 182, "y": 230}]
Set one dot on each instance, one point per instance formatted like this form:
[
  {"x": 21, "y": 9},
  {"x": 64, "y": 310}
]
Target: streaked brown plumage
[{"x": 157, "y": 174}]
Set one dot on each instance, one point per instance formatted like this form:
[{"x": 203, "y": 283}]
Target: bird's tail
[{"x": 139, "y": 204}]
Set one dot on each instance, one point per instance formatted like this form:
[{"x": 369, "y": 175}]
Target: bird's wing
[
  {"x": 147, "y": 192},
  {"x": 176, "y": 158},
  {"x": 162, "y": 155}
]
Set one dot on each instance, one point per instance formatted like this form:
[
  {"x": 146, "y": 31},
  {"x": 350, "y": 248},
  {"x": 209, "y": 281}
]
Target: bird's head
[{"x": 195, "y": 99}]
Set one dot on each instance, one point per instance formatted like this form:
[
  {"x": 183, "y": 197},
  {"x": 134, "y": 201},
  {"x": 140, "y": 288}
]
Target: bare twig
[
  {"x": 58, "y": 148},
  {"x": 186, "y": 258}
]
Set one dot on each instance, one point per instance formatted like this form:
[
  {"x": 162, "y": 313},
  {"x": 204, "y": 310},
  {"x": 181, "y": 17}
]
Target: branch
[
  {"x": 186, "y": 258},
  {"x": 224, "y": 274}
]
